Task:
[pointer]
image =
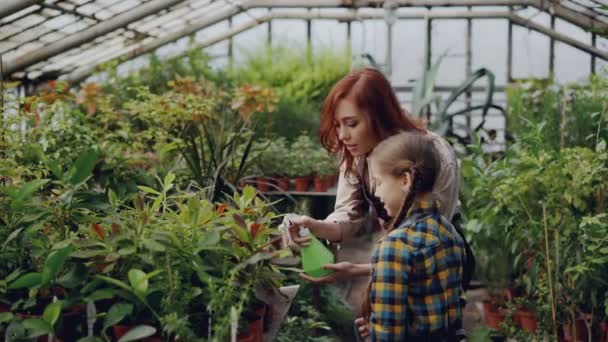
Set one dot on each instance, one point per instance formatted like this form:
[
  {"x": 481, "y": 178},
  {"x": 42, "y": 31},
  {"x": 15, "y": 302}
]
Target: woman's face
[{"x": 354, "y": 129}]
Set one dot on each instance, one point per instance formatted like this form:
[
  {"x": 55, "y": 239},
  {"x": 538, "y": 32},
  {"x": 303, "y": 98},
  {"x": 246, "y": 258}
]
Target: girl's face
[
  {"x": 389, "y": 188},
  {"x": 354, "y": 129}
]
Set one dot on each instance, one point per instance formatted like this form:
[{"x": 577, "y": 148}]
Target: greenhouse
[{"x": 303, "y": 170}]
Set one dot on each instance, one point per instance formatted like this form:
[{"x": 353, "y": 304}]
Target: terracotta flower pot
[
  {"x": 526, "y": 320},
  {"x": 302, "y": 183},
  {"x": 493, "y": 315},
  {"x": 263, "y": 184},
  {"x": 283, "y": 183},
  {"x": 255, "y": 329},
  {"x": 581, "y": 331},
  {"x": 604, "y": 331},
  {"x": 320, "y": 184}
]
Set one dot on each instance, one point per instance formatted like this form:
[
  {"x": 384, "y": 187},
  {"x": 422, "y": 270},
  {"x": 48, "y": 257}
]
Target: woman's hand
[
  {"x": 291, "y": 228},
  {"x": 342, "y": 271},
  {"x": 362, "y": 326},
  {"x": 298, "y": 222}
]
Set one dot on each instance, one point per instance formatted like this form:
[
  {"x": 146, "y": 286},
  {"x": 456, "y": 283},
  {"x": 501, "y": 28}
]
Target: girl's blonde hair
[
  {"x": 410, "y": 153},
  {"x": 398, "y": 155}
]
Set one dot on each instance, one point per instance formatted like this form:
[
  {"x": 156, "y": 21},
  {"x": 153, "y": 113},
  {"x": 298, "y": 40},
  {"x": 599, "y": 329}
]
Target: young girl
[{"x": 417, "y": 267}]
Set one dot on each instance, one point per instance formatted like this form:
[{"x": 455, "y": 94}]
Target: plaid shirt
[{"x": 416, "y": 276}]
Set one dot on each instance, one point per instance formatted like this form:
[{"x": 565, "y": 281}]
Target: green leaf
[
  {"x": 209, "y": 240},
  {"x": 169, "y": 181},
  {"x": 25, "y": 193},
  {"x": 37, "y": 327},
  {"x": 54, "y": 263},
  {"x": 137, "y": 333},
  {"x": 28, "y": 280},
  {"x": 127, "y": 250},
  {"x": 6, "y": 317},
  {"x": 101, "y": 295},
  {"x": 55, "y": 168},
  {"x": 242, "y": 234},
  {"x": 52, "y": 312},
  {"x": 157, "y": 202},
  {"x": 90, "y": 339},
  {"x": 112, "y": 198},
  {"x": 116, "y": 314},
  {"x": 601, "y": 146},
  {"x": 148, "y": 190},
  {"x": 115, "y": 282},
  {"x": 139, "y": 281},
  {"x": 12, "y": 236},
  {"x": 83, "y": 167},
  {"x": 154, "y": 245}
]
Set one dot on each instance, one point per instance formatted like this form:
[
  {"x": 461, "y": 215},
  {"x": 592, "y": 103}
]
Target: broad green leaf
[
  {"x": 138, "y": 333},
  {"x": 148, "y": 190},
  {"x": 157, "y": 202},
  {"x": 54, "y": 263},
  {"x": 55, "y": 168},
  {"x": 101, "y": 295},
  {"x": 87, "y": 254},
  {"x": 25, "y": 193},
  {"x": 210, "y": 239},
  {"x": 52, "y": 312},
  {"x": 6, "y": 317},
  {"x": 82, "y": 168},
  {"x": 248, "y": 195},
  {"x": 37, "y": 327},
  {"x": 242, "y": 234},
  {"x": 138, "y": 281},
  {"x": 12, "y": 236},
  {"x": 127, "y": 250},
  {"x": 168, "y": 183},
  {"x": 601, "y": 146},
  {"x": 154, "y": 245},
  {"x": 112, "y": 198},
  {"x": 116, "y": 314},
  {"x": 28, "y": 280}
]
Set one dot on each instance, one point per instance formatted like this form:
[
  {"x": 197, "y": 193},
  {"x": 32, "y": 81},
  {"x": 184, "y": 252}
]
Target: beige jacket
[{"x": 352, "y": 209}]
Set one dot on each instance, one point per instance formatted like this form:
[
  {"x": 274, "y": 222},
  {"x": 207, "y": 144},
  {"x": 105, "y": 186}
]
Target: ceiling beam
[
  {"x": 586, "y": 22},
  {"x": 135, "y": 51},
  {"x": 8, "y": 7},
  {"x": 86, "y": 35}
]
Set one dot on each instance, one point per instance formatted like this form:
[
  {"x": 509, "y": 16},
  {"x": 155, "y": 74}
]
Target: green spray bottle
[{"x": 315, "y": 256}]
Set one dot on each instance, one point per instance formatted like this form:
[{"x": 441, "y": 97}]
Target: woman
[{"x": 360, "y": 111}]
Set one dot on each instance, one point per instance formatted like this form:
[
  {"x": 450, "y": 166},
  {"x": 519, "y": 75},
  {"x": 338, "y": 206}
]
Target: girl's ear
[{"x": 406, "y": 179}]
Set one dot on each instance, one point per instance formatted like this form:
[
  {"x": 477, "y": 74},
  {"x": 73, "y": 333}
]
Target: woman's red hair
[{"x": 372, "y": 93}]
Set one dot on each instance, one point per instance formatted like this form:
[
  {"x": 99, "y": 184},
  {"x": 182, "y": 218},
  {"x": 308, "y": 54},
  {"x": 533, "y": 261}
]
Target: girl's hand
[{"x": 362, "y": 326}]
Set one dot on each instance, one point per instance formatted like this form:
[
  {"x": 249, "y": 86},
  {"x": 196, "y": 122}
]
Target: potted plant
[
  {"x": 302, "y": 157},
  {"x": 271, "y": 161},
  {"x": 325, "y": 168}
]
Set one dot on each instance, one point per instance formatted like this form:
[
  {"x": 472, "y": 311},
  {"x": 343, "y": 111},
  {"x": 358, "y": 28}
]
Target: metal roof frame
[{"x": 158, "y": 14}]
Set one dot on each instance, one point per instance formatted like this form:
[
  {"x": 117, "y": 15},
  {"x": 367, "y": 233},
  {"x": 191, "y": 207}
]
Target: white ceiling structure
[{"x": 45, "y": 39}]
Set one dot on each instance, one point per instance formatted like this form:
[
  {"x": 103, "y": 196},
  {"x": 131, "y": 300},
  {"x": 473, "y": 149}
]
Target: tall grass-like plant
[
  {"x": 300, "y": 84},
  {"x": 569, "y": 115}
]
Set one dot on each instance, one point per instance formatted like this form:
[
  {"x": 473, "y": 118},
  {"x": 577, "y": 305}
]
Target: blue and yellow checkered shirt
[{"x": 416, "y": 276}]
